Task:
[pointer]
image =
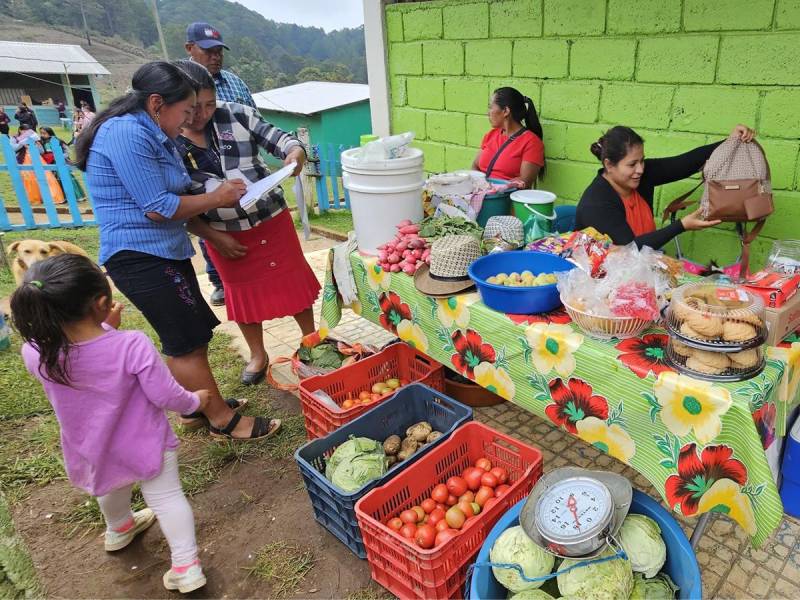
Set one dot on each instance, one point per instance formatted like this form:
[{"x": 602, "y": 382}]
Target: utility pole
[
  {"x": 85, "y": 25},
  {"x": 158, "y": 27}
]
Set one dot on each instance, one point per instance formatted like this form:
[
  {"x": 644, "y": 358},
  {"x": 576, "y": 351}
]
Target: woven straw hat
[
  {"x": 505, "y": 227},
  {"x": 451, "y": 256}
]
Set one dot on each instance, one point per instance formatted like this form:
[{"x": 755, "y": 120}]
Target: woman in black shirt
[{"x": 619, "y": 201}]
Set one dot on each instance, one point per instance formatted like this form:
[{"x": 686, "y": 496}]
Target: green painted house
[{"x": 334, "y": 113}]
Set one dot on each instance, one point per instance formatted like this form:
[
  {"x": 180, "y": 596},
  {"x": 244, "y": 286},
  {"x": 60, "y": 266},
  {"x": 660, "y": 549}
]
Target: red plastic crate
[
  {"x": 399, "y": 361},
  {"x": 411, "y": 572}
]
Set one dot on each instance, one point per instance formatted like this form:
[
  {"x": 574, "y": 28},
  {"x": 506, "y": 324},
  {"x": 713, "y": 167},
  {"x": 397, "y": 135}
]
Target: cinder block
[
  {"x": 726, "y": 15},
  {"x": 443, "y": 58},
  {"x": 579, "y": 138},
  {"x": 574, "y": 17},
  {"x": 663, "y": 144},
  {"x": 602, "y": 59},
  {"x": 541, "y": 58},
  {"x": 780, "y": 114},
  {"x": 643, "y": 16},
  {"x": 490, "y": 57},
  {"x": 566, "y": 101},
  {"x": 515, "y": 19},
  {"x": 466, "y": 95},
  {"x": 555, "y": 139},
  {"x": 405, "y": 59},
  {"x": 457, "y": 158},
  {"x": 426, "y": 92},
  {"x": 409, "y": 119},
  {"x": 446, "y": 127},
  {"x": 713, "y": 109},
  {"x": 465, "y": 21},
  {"x": 433, "y": 156},
  {"x": 770, "y": 58},
  {"x": 477, "y": 127},
  {"x": 782, "y": 157},
  {"x": 636, "y": 105},
  {"x": 782, "y": 224},
  {"x": 422, "y": 24},
  {"x": 397, "y": 87},
  {"x": 394, "y": 26},
  {"x": 787, "y": 15},
  {"x": 677, "y": 59},
  {"x": 568, "y": 180}
]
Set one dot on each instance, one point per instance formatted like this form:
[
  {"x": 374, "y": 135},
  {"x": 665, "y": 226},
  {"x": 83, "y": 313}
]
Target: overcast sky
[{"x": 327, "y": 14}]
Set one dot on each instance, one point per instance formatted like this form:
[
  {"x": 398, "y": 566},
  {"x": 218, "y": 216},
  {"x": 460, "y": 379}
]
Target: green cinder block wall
[{"x": 681, "y": 72}]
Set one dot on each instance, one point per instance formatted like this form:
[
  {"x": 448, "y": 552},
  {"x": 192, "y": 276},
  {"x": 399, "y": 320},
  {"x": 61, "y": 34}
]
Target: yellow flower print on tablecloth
[
  {"x": 452, "y": 310},
  {"x": 553, "y": 346},
  {"x": 726, "y": 497},
  {"x": 412, "y": 334},
  {"x": 377, "y": 278},
  {"x": 495, "y": 379},
  {"x": 611, "y": 439},
  {"x": 689, "y": 404}
]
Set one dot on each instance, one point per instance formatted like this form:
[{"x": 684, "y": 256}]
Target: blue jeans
[{"x": 211, "y": 271}]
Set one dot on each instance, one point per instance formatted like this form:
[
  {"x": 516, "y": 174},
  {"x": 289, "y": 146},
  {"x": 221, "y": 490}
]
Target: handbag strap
[
  {"x": 497, "y": 154},
  {"x": 679, "y": 203}
]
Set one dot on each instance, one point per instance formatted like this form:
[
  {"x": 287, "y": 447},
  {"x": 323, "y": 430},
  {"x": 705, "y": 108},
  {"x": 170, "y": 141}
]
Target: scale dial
[{"x": 574, "y": 509}]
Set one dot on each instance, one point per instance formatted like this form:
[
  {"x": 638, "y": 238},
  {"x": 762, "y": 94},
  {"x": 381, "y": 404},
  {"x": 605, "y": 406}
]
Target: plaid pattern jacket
[
  {"x": 230, "y": 88},
  {"x": 239, "y": 132}
]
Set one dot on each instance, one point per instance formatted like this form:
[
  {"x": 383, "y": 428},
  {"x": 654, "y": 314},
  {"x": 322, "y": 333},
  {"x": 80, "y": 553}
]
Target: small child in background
[{"x": 109, "y": 390}]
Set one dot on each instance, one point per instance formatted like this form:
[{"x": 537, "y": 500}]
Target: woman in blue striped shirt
[{"x": 139, "y": 186}]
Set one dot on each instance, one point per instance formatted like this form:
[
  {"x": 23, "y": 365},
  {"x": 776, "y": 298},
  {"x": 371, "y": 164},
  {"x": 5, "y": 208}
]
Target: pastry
[
  {"x": 683, "y": 309},
  {"x": 715, "y": 366},
  {"x": 706, "y": 325},
  {"x": 681, "y": 349},
  {"x": 737, "y": 331},
  {"x": 746, "y": 359},
  {"x": 687, "y": 330},
  {"x": 745, "y": 316}
]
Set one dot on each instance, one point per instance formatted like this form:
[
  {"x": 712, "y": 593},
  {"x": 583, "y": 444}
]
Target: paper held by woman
[{"x": 257, "y": 189}]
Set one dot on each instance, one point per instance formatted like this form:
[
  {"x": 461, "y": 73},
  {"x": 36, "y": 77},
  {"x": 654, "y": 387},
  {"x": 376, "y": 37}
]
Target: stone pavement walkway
[{"x": 730, "y": 567}]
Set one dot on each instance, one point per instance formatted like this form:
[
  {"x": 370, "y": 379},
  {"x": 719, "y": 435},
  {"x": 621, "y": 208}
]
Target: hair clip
[{"x": 37, "y": 283}]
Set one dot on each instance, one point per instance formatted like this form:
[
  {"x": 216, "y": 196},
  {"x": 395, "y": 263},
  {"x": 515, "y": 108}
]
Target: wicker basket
[{"x": 606, "y": 328}]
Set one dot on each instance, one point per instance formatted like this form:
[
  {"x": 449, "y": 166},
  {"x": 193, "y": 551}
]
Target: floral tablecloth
[{"x": 701, "y": 444}]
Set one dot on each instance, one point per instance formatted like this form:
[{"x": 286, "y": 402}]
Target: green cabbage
[
  {"x": 661, "y": 587},
  {"x": 355, "y": 463},
  {"x": 640, "y": 537},
  {"x": 515, "y": 547},
  {"x": 610, "y": 580},
  {"x": 531, "y": 595}
]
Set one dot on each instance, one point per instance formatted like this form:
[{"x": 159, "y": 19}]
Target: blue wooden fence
[
  {"x": 54, "y": 218},
  {"x": 330, "y": 169}
]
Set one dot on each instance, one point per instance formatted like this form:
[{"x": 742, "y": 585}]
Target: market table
[{"x": 702, "y": 445}]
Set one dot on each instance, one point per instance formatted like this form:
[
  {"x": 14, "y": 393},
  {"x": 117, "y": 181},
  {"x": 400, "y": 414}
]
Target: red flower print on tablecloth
[
  {"x": 764, "y": 418},
  {"x": 558, "y": 316},
  {"x": 470, "y": 351},
  {"x": 696, "y": 475},
  {"x": 393, "y": 310},
  {"x": 644, "y": 354},
  {"x": 574, "y": 401}
]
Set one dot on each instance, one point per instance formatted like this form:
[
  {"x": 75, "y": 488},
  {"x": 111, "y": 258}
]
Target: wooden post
[
  {"x": 308, "y": 181},
  {"x": 160, "y": 33},
  {"x": 3, "y": 257}
]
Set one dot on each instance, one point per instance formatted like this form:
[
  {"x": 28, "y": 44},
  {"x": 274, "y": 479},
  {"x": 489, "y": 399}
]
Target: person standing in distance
[{"x": 204, "y": 45}]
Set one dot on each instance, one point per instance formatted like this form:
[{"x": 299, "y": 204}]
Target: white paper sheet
[{"x": 262, "y": 186}]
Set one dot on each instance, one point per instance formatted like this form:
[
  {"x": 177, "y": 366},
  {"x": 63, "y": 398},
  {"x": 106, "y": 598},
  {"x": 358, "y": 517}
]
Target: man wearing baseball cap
[{"x": 205, "y": 46}]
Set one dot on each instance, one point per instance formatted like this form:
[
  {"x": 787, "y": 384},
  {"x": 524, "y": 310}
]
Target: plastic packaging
[
  {"x": 714, "y": 365},
  {"x": 784, "y": 257},
  {"x": 326, "y": 400},
  {"x": 387, "y": 148}
]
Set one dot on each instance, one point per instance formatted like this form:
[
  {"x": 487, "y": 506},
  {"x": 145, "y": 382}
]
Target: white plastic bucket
[{"x": 382, "y": 193}]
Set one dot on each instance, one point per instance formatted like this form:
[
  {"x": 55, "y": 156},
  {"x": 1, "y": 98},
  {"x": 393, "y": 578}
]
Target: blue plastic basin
[
  {"x": 681, "y": 563},
  {"x": 518, "y": 300}
]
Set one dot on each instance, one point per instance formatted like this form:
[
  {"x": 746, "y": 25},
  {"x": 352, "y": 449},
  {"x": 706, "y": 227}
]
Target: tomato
[
  {"x": 365, "y": 395},
  {"x": 489, "y": 480},
  {"x": 476, "y": 508},
  {"x": 420, "y": 513},
  {"x": 428, "y": 505},
  {"x": 466, "y": 508},
  {"x": 484, "y": 494},
  {"x": 395, "y": 524},
  {"x": 409, "y": 516},
  {"x": 347, "y": 404},
  {"x": 425, "y": 536},
  {"x": 440, "y": 493},
  {"x": 451, "y": 500},
  {"x": 404, "y": 382},
  {"x": 483, "y": 463},
  {"x": 501, "y": 474},
  {"x": 472, "y": 476},
  {"x": 444, "y": 536},
  {"x": 455, "y": 517},
  {"x": 500, "y": 490},
  {"x": 456, "y": 486},
  {"x": 375, "y": 397},
  {"x": 408, "y": 530},
  {"x": 441, "y": 525},
  {"x": 490, "y": 503},
  {"x": 468, "y": 496},
  {"x": 442, "y": 506},
  {"x": 436, "y": 516}
]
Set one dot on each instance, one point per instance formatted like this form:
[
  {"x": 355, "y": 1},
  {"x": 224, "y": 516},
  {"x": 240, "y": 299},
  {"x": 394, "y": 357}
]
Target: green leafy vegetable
[
  {"x": 516, "y": 548},
  {"x": 436, "y": 227},
  {"x": 609, "y": 580},
  {"x": 660, "y": 587},
  {"x": 324, "y": 355},
  {"x": 531, "y": 595},
  {"x": 355, "y": 463},
  {"x": 640, "y": 537}
]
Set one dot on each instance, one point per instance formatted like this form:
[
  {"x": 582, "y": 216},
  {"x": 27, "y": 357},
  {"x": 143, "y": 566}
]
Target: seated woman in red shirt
[{"x": 511, "y": 150}]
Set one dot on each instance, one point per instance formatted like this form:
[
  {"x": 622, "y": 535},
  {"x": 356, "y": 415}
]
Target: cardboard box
[
  {"x": 783, "y": 321},
  {"x": 774, "y": 288}
]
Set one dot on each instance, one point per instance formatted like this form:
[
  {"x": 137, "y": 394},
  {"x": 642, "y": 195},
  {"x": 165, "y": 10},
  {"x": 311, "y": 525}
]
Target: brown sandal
[{"x": 262, "y": 429}]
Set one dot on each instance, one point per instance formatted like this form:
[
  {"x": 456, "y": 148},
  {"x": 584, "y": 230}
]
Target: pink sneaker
[{"x": 190, "y": 580}]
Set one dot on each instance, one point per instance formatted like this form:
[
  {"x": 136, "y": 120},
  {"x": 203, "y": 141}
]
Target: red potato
[
  {"x": 395, "y": 268},
  {"x": 401, "y": 246},
  {"x": 409, "y": 229},
  {"x": 409, "y": 269},
  {"x": 403, "y": 223},
  {"x": 393, "y": 258}
]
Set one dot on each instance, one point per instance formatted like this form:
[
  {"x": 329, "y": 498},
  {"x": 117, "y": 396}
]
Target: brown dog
[{"x": 31, "y": 251}]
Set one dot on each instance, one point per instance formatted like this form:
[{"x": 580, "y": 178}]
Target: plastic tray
[
  {"x": 335, "y": 509},
  {"x": 681, "y": 563},
  {"x": 675, "y": 357},
  {"x": 411, "y": 572},
  {"x": 398, "y": 360}
]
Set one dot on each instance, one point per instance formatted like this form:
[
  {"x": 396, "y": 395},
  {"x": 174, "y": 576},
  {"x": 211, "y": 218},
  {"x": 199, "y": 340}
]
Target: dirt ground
[{"x": 255, "y": 503}]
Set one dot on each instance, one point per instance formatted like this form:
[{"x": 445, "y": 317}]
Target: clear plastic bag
[
  {"x": 784, "y": 257},
  {"x": 386, "y": 148}
]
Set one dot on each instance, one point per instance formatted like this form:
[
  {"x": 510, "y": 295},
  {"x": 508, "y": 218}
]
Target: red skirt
[{"x": 273, "y": 279}]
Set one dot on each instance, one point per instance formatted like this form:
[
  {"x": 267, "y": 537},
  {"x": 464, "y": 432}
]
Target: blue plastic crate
[
  {"x": 681, "y": 563},
  {"x": 335, "y": 509}
]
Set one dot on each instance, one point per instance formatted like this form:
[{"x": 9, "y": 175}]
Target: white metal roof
[
  {"x": 28, "y": 57},
  {"x": 311, "y": 97}
]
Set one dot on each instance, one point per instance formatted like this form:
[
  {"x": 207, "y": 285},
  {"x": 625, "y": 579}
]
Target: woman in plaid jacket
[{"x": 255, "y": 249}]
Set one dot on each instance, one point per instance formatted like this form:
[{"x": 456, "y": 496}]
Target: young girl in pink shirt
[{"x": 109, "y": 390}]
